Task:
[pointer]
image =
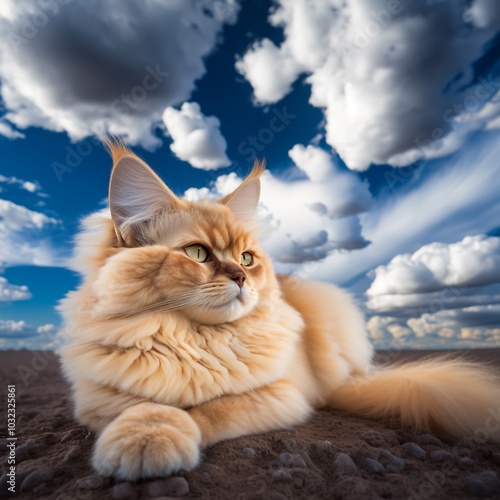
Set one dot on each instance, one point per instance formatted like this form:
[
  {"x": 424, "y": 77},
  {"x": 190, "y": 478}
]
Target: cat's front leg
[
  {"x": 148, "y": 440},
  {"x": 278, "y": 405}
]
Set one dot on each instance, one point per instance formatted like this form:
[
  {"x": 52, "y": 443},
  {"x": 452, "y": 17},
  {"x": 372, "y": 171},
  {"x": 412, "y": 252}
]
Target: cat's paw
[{"x": 148, "y": 440}]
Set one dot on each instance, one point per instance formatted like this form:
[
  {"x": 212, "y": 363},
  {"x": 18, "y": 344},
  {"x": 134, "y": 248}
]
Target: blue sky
[{"x": 379, "y": 122}]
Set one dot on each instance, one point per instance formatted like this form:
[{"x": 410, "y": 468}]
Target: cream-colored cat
[{"x": 182, "y": 336}]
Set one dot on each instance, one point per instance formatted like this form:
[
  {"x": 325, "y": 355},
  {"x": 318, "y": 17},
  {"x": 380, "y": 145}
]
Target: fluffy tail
[{"x": 441, "y": 395}]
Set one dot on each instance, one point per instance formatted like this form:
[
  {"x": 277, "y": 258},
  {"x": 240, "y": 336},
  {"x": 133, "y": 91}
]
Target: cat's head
[{"x": 209, "y": 263}]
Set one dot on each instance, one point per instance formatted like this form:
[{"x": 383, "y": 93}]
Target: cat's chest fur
[{"x": 176, "y": 363}]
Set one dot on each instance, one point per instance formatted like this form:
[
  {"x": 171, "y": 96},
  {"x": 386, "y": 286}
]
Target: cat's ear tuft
[
  {"x": 136, "y": 197},
  {"x": 243, "y": 201}
]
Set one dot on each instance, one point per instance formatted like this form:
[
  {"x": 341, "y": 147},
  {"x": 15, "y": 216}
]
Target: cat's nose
[{"x": 239, "y": 277}]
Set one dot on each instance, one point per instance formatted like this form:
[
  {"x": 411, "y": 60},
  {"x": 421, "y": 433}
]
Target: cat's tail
[{"x": 440, "y": 395}]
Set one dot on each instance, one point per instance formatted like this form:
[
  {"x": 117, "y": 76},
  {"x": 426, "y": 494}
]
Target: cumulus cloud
[
  {"x": 394, "y": 79},
  {"x": 22, "y": 335},
  {"x": 25, "y": 236},
  {"x": 27, "y": 239},
  {"x": 474, "y": 261},
  {"x": 16, "y": 329},
  {"x": 10, "y": 292},
  {"x": 383, "y": 328},
  {"x": 16, "y": 217},
  {"x": 196, "y": 138},
  {"x": 307, "y": 217},
  {"x": 453, "y": 321},
  {"x": 85, "y": 68},
  {"x": 442, "y": 294},
  {"x": 48, "y": 328},
  {"x": 223, "y": 185},
  {"x": 460, "y": 328},
  {"x": 437, "y": 277}
]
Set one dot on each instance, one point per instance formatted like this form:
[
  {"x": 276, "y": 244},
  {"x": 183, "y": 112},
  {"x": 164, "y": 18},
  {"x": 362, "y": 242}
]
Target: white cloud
[
  {"x": 270, "y": 70},
  {"x": 10, "y": 292},
  {"x": 443, "y": 202},
  {"x": 29, "y": 186},
  {"x": 16, "y": 217},
  {"x": 21, "y": 335},
  {"x": 25, "y": 236},
  {"x": 16, "y": 329},
  {"x": 471, "y": 327},
  {"x": 7, "y": 131},
  {"x": 48, "y": 328},
  {"x": 32, "y": 187},
  {"x": 224, "y": 184},
  {"x": 309, "y": 216},
  {"x": 381, "y": 328},
  {"x": 196, "y": 138},
  {"x": 412, "y": 304},
  {"x": 451, "y": 323},
  {"x": 390, "y": 76},
  {"x": 474, "y": 261},
  {"x": 87, "y": 68},
  {"x": 484, "y": 14},
  {"x": 437, "y": 277},
  {"x": 439, "y": 296}
]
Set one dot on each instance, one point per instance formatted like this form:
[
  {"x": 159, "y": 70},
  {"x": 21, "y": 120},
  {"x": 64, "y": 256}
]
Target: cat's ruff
[{"x": 169, "y": 353}]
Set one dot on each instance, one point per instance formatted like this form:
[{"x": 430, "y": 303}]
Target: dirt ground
[{"x": 325, "y": 459}]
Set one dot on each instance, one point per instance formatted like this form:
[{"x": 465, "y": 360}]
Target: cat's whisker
[
  {"x": 175, "y": 303},
  {"x": 213, "y": 286}
]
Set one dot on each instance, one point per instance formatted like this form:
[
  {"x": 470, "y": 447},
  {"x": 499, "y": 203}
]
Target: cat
[{"x": 181, "y": 335}]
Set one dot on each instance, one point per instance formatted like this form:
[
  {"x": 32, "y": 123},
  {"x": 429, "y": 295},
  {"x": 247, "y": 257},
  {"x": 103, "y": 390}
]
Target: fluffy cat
[{"x": 181, "y": 335}]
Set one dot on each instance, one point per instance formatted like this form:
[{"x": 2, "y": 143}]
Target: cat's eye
[
  {"x": 197, "y": 252},
  {"x": 246, "y": 259}
]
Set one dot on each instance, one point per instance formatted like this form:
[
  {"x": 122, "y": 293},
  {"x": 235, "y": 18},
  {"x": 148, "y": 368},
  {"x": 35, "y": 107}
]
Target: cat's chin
[{"x": 223, "y": 313}]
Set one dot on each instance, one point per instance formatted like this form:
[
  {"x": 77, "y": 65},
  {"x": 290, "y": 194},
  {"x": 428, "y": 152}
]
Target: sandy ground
[{"x": 327, "y": 458}]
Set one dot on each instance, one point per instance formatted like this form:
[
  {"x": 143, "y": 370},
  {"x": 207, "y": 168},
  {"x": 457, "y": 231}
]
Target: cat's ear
[
  {"x": 244, "y": 199},
  {"x": 136, "y": 196}
]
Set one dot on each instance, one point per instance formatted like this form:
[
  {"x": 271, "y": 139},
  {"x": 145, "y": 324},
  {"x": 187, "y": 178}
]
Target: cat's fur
[{"x": 165, "y": 359}]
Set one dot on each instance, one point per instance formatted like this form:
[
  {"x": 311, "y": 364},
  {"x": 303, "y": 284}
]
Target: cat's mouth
[
  {"x": 227, "y": 303},
  {"x": 223, "y": 304},
  {"x": 234, "y": 298},
  {"x": 240, "y": 297}
]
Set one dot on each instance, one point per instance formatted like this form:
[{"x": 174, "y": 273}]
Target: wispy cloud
[
  {"x": 30, "y": 186},
  {"x": 445, "y": 203},
  {"x": 8, "y": 131}
]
